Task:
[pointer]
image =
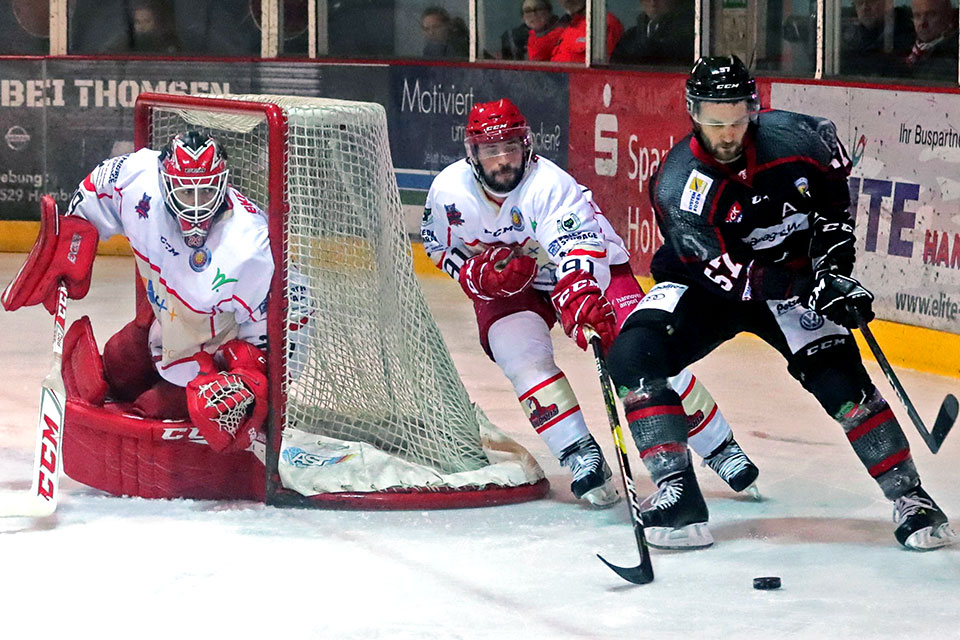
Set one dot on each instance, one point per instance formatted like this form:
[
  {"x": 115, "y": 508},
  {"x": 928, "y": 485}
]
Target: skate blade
[
  {"x": 753, "y": 492},
  {"x": 692, "y": 536},
  {"x": 604, "y": 496},
  {"x": 929, "y": 538}
]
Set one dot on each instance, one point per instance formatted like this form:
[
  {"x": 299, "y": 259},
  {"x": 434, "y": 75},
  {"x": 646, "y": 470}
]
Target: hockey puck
[{"x": 766, "y": 583}]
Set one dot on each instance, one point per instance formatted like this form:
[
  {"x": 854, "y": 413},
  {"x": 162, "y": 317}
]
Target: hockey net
[{"x": 366, "y": 407}]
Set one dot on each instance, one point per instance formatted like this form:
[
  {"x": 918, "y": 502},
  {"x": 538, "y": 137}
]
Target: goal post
[{"x": 366, "y": 407}]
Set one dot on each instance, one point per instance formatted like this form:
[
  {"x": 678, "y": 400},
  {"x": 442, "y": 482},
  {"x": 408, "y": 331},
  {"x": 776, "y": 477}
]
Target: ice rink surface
[{"x": 106, "y": 567}]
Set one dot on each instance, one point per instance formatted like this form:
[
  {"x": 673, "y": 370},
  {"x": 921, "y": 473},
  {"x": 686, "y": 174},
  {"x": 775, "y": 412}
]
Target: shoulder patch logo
[
  {"x": 454, "y": 217},
  {"x": 568, "y": 223},
  {"x": 695, "y": 192},
  {"x": 143, "y": 207},
  {"x": 803, "y": 186},
  {"x": 516, "y": 219},
  {"x": 200, "y": 259}
]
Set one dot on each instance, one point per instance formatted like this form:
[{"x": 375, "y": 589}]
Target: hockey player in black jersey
[{"x": 752, "y": 206}]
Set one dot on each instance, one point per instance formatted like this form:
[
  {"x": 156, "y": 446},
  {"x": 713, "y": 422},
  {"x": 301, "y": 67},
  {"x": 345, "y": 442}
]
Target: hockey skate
[
  {"x": 734, "y": 467},
  {"x": 591, "y": 475},
  {"x": 921, "y": 525},
  {"x": 675, "y": 516}
]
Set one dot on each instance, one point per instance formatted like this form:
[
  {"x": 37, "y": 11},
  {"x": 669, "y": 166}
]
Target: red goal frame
[{"x": 277, "y": 209}]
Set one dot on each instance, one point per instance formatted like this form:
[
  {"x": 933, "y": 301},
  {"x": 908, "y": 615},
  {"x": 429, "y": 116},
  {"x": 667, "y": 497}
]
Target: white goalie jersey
[
  {"x": 201, "y": 298},
  {"x": 548, "y": 215}
]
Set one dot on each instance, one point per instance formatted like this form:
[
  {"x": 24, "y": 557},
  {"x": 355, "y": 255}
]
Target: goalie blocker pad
[
  {"x": 65, "y": 249},
  {"x": 107, "y": 448}
]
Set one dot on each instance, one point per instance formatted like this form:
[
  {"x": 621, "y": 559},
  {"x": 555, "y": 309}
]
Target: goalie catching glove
[
  {"x": 64, "y": 250},
  {"x": 497, "y": 273},
  {"x": 228, "y": 408},
  {"x": 578, "y": 298},
  {"x": 841, "y": 299}
]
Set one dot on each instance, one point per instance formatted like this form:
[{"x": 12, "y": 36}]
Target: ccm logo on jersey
[
  {"x": 825, "y": 344},
  {"x": 695, "y": 192}
]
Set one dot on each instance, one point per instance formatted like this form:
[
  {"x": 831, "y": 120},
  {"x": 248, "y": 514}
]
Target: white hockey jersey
[
  {"x": 548, "y": 215},
  {"x": 201, "y": 298}
]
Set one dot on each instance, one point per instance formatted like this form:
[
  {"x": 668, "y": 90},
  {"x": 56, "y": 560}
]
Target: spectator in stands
[
  {"x": 934, "y": 54},
  {"x": 863, "y": 49},
  {"x": 446, "y": 37},
  {"x": 539, "y": 24},
  {"x": 663, "y": 35},
  {"x": 25, "y": 27},
  {"x": 572, "y": 43},
  {"x": 152, "y": 27}
]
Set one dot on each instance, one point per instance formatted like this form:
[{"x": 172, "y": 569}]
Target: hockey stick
[
  {"x": 948, "y": 409},
  {"x": 643, "y": 572},
  {"x": 45, "y": 490}
]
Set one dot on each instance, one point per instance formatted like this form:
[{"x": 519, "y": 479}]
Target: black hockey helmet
[{"x": 721, "y": 79}]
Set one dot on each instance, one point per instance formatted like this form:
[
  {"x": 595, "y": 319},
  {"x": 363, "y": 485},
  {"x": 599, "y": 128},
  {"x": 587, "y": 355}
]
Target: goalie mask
[
  {"x": 193, "y": 177},
  {"x": 499, "y": 146}
]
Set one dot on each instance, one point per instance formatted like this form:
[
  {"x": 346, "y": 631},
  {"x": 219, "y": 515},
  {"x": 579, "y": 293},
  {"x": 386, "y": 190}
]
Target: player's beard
[
  {"x": 724, "y": 152},
  {"x": 504, "y": 178}
]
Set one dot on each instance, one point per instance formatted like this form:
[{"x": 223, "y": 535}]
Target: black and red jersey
[{"x": 758, "y": 228}]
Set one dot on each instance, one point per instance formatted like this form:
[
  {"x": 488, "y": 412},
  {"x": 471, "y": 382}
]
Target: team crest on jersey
[
  {"x": 143, "y": 207},
  {"x": 200, "y": 259},
  {"x": 568, "y": 223},
  {"x": 454, "y": 217},
  {"x": 695, "y": 192},
  {"x": 802, "y": 186},
  {"x": 735, "y": 214},
  {"x": 516, "y": 218},
  {"x": 427, "y": 216}
]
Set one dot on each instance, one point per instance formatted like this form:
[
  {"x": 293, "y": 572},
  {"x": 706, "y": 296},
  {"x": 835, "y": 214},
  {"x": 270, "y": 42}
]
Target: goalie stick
[
  {"x": 45, "y": 488},
  {"x": 947, "y": 415},
  {"x": 643, "y": 572}
]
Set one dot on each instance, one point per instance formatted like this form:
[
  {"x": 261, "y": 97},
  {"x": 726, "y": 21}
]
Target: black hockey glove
[
  {"x": 841, "y": 299},
  {"x": 832, "y": 245}
]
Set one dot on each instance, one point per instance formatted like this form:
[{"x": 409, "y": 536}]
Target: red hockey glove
[
  {"x": 64, "y": 250},
  {"x": 581, "y": 304},
  {"x": 240, "y": 354},
  {"x": 497, "y": 273},
  {"x": 227, "y": 408}
]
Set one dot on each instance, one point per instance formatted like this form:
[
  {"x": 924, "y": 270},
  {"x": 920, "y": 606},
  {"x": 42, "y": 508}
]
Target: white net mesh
[{"x": 369, "y": 366}]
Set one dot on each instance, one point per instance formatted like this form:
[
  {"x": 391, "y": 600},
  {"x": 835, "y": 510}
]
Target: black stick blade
[
  {"x": 640, "y": 574},
  {"x": 945, "y": 421}
]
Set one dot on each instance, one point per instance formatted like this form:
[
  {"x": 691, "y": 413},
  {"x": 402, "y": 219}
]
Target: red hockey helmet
[
  {"x": 193, "y": 172},
  {"x": 490, "y": 123}
]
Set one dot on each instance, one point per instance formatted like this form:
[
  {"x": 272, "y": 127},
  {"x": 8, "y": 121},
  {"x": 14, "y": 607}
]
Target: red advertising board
[{"x": 621, "y": 127}]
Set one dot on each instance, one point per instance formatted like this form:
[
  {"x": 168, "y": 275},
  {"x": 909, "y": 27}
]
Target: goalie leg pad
[
  {"x": 127, "y": 364},
  {"x": 163, "y": 401},
  {"x": 64, "y": 250},
  {"x": 82, "y": 365},
  {"x": 879, "y": 442}
]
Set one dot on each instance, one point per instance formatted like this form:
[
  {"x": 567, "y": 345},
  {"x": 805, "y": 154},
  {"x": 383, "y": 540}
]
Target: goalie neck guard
[
  {"x": 193, "y": 172},
  {"x": 489, "y": 126}
]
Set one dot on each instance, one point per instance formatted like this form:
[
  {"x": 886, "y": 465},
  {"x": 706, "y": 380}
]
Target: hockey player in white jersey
[
  {"x": 203, "y": 257},
  {"x": 527, "y": 243}
]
